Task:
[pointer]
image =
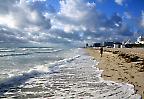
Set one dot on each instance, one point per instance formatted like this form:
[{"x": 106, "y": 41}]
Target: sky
[{"x": 70, "y": 22}]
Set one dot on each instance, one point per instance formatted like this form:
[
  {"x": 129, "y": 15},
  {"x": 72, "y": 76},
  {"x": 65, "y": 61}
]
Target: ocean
[{"x": 56, "y": 73}]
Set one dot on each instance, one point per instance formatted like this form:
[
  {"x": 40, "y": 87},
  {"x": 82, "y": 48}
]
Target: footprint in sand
[
  {"x": 132, "y": 76},
  {"x": 126, "y": 72},
  {"x": 113, "y": 69}
]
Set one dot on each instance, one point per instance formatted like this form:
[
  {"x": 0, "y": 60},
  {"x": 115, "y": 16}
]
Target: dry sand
[{"x": 116, "y": 68}]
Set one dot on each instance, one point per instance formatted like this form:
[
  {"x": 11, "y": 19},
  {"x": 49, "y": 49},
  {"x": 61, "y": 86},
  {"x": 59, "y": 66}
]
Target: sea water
[{"x": 53, "y": 73}]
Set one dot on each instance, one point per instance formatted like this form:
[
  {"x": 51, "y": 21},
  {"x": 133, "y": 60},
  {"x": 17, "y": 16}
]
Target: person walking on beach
[{"x": 101, "y": 51}]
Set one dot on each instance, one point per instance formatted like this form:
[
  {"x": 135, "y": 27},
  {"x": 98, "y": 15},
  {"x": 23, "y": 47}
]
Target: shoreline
[{"x": 121, "y": 65}]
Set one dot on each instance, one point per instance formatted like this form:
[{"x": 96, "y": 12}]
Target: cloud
[
  {"x": 22, "y": 16},
  {"x": 125, "y": 31},
  {"x": 76, "y": 17},
  {"x": 127, "y": 15},
  {"x": 10, "y": 35},
  {"x": 77, "y": 22},
  {"x": 114, "y": 22},
  {"x": 142, "y": 19},
  {"x": 119, "y": 2},
  {"x": 6, "y": 5}
]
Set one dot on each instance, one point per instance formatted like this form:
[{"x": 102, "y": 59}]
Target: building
[
  {"x": 117, "y": 45},
  {"x": 108, "y": 44},
  {"x": 140, "y": 40},
  {"x": 96, "y": 44}
]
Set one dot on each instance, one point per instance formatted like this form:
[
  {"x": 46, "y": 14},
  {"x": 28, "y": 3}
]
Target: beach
[
  {"x": 122, "y": 65},
  {"x": 69, "y": 74}
]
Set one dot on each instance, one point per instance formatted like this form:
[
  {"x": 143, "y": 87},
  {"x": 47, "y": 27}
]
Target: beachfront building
[
  {"x": 117, "y": 45},
  {"x": 108, "y": 44},
  {"x": 140, "y": 40},
  {"x": 96, "y": 44}
]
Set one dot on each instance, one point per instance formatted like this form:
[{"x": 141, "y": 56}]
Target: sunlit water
[{"x": 56, "y": 74}]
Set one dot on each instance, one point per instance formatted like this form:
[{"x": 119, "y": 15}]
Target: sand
[{"x": 118, "y": 69}]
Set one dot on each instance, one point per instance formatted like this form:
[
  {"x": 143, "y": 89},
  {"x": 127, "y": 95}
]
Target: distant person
[{"x": 101, "y": 51}]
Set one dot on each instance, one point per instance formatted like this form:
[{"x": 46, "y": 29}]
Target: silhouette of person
[{"x": 101, "y": 51}]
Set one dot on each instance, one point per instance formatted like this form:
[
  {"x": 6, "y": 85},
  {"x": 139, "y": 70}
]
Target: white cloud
[
  {"x": 38, "y": 0},
  {"x": 18, "y": 22},
  {"x": 76, "y": 15},
  {"x": 8, "y": 20},
  {"x": 76, "y": 22},
  {"x": 127, "y": 15},
  {"x": 20, "y": 15},
  {"x": 142, "y": 20},
  {"x": 119, "y": 2},
  {"x": 102, "y": 28}
]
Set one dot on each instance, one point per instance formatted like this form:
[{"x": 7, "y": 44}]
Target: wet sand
[{"x": 118, "y": 66}]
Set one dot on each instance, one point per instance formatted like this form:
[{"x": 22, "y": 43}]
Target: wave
[
  {"x": 63, "y": 61},
  {"x": 37, "y": 47},
  {"x": 49, "y": 51},
  {"x": 7, "y": 51},
  {"x": 15, "y": 81},
  {"x": 14, "y": 54},
  {"x": 26, "y": 53}
]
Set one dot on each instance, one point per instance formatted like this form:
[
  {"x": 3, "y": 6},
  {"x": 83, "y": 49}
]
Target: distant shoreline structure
[
  {"x": 111, "y": 44},
  {"x": 140, "y": 40}
]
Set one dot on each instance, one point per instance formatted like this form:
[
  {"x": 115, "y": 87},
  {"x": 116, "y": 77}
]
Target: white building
[
  {"x": 118, "y": 45},
  {"x": 140, "y": 40}
]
